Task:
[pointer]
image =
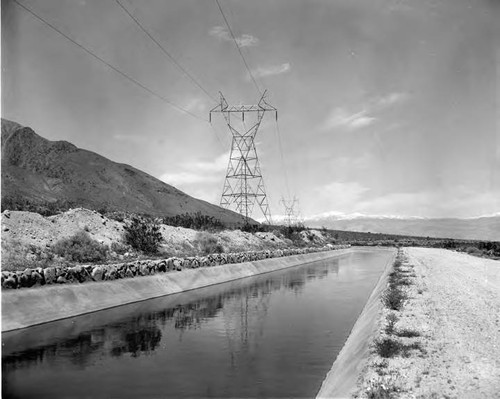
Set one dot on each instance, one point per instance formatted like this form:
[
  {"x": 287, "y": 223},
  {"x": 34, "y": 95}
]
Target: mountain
[
  {"x": 483, "y": 228},
  {"x": 38, "y": 170}
]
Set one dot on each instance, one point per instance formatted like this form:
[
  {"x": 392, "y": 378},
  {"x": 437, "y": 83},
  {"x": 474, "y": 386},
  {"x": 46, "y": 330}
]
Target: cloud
[
  {"x": 197, "y": 172},
  {"x": 391, "y": 99},
  {"x": 271, "y": 70},
  {"x": 338, "y": 196},
  {"x": 339, "y": 117},
  {"x": 196, "y": 105},
  {"x": 182, "y": 178},
  {"x": 223, "y": 34}
]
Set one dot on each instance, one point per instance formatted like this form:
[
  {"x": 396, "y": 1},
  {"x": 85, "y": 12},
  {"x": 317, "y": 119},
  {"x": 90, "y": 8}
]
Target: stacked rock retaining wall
[{"x": 86, "y": 273}]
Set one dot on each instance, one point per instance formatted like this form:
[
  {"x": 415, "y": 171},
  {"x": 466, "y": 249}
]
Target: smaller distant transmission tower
[
  {"x": 291, "y": 217},
  {"x": 244, "y": 185}
]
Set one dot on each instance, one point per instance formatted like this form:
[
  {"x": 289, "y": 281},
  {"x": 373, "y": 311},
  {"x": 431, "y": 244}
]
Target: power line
[
  {"x": 238, "y": 47},
  {"x": 108, "y": 64},
  {"x": 282, "y": 159},
  {"x": 162, "y": 48}
]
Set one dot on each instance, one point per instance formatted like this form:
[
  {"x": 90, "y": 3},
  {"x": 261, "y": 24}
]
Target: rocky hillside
[{"x": 38, "y": 170}]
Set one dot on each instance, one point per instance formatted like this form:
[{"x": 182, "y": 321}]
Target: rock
[
  {"x": 61, "y": 280},
  {"x": 25, "y": 279},
  {"x": 9, "y": 280},
  {"x": 5, "y": 228},
  {"x": 178, "y": 264},
  {"x": 162, "y": 266},
  {"x": 110, "y": 272},
  {"x": 49, "y": 275},
  {"x": 128, "y": 273},
  {"x": 97, "y": 273},
  {"x": 37, "y": 278},
  {"x": 75, "y": 274},
  {"x": 143, "y": 270}
]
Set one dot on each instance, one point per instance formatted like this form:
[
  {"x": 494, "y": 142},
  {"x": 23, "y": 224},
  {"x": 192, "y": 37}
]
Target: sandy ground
[{"x": 454, "y": 304}]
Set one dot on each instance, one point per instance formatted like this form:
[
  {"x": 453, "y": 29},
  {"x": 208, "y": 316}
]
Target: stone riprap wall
[{"x": 84, "y": 273}]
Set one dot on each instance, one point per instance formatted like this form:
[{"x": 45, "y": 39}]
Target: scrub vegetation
[{"x": 394, "y": 341}]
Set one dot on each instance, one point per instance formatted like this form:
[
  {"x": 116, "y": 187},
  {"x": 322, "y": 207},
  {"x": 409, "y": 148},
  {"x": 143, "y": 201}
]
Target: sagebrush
[
  {"x": 81, "y": 248},
  {"x": 143, "y": 235}
]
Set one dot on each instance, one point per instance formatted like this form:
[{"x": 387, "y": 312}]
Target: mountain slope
[
  {"x": 40, "y": 170},
  {"x": 484, "y": 228}
]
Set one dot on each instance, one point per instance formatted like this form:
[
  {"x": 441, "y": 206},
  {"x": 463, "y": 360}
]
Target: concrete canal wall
[
  {"x": 342, "y": 377},
  {"x": 23, "y": 308}
]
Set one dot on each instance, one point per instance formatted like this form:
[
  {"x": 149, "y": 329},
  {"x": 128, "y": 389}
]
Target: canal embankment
[
  {"x": 443, "y": 339},
  {"x": 23, "y": 308},
  {"x": 342, "y": 378}
]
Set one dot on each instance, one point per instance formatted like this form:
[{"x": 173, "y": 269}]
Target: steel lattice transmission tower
[
  {"x": 244, "y": 185},
  {"x": 291, "y": 217}
]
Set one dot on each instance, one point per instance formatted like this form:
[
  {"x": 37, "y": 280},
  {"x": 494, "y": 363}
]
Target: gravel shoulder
[{"x": 454, "y": 306}]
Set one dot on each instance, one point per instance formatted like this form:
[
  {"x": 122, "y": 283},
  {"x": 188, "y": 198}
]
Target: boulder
[
  {"x": 9, "y": 280},
  {"x": 37, "y": 278},
  {"x": 25, "y": 279},
  {"x": 143, "y": 269},
  {"x": 110, "y": 272},
  {"x": 98, "y": 273},
  {"x": 61, "y": 280},
  {"x": 49, "y": 274}
]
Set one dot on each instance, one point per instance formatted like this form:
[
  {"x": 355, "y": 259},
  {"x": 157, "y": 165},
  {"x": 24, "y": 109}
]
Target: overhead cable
[
  {"x": 238, "y": 47},
  {"x": 164, "y": 50},
  {"x": 137, "y": 83}
]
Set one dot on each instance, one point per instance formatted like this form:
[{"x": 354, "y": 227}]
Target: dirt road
[
  {"x": 462, "y": 308},
  {"x": 454, "y": 306}
]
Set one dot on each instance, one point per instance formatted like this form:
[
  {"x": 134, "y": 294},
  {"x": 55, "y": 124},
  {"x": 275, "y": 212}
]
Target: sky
[{"x": 385, "y": 107}]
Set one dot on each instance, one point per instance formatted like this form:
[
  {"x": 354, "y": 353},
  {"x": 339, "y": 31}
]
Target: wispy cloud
[
  {"x": 391, "y": 99},
  {"x": 197, "y": 172},
  {"x": 339, "y": 195},
  {"x": 223, "y": 34},
  {"x": 340, "y": 117},
  {"x": 271, "y": 70},
  {"x": 196, "y": 105}
]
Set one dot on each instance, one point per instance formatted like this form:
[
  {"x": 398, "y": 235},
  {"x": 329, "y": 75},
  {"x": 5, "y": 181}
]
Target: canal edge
[
  {"x": 341, "y": 380},
  {"x": 26, "y": 308}
]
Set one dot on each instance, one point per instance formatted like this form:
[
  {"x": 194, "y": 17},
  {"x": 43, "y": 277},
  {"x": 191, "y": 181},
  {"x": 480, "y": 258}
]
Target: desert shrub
[
  {"x": 473, "y": 251},
  {"x": 392, "y": 319},
  {"x": 196, "y": 221},
  {"x": 44, "y": 208},
  {"x": 143, "y": 235},
  {"x": 387, "y": 347},
  {"x": 208, "y": 244},
  {"x": 81, "y": 248},
  {"x": 119, "y": 248},
  {"x": 394, "y": 298},
  {"x": 382, "y": 389},
  {"x": 18, "y": 256},
  {"x": 408, "y": 333},
  {"x": 406, "y": 349}
]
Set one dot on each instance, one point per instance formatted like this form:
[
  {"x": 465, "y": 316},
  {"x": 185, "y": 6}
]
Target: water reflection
[{"x": 239, "y": 305}]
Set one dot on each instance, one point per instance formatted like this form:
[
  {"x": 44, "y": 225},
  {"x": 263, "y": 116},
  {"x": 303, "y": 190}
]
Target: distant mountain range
[
  {"x": 482, "y": 228},
  {"x": 39, "y": 170}
]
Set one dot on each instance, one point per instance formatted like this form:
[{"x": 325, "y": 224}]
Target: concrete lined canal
[{"x": 273, "y": 335}]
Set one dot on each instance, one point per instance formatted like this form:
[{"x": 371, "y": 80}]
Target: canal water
[{"x": 273, "y": 335}]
